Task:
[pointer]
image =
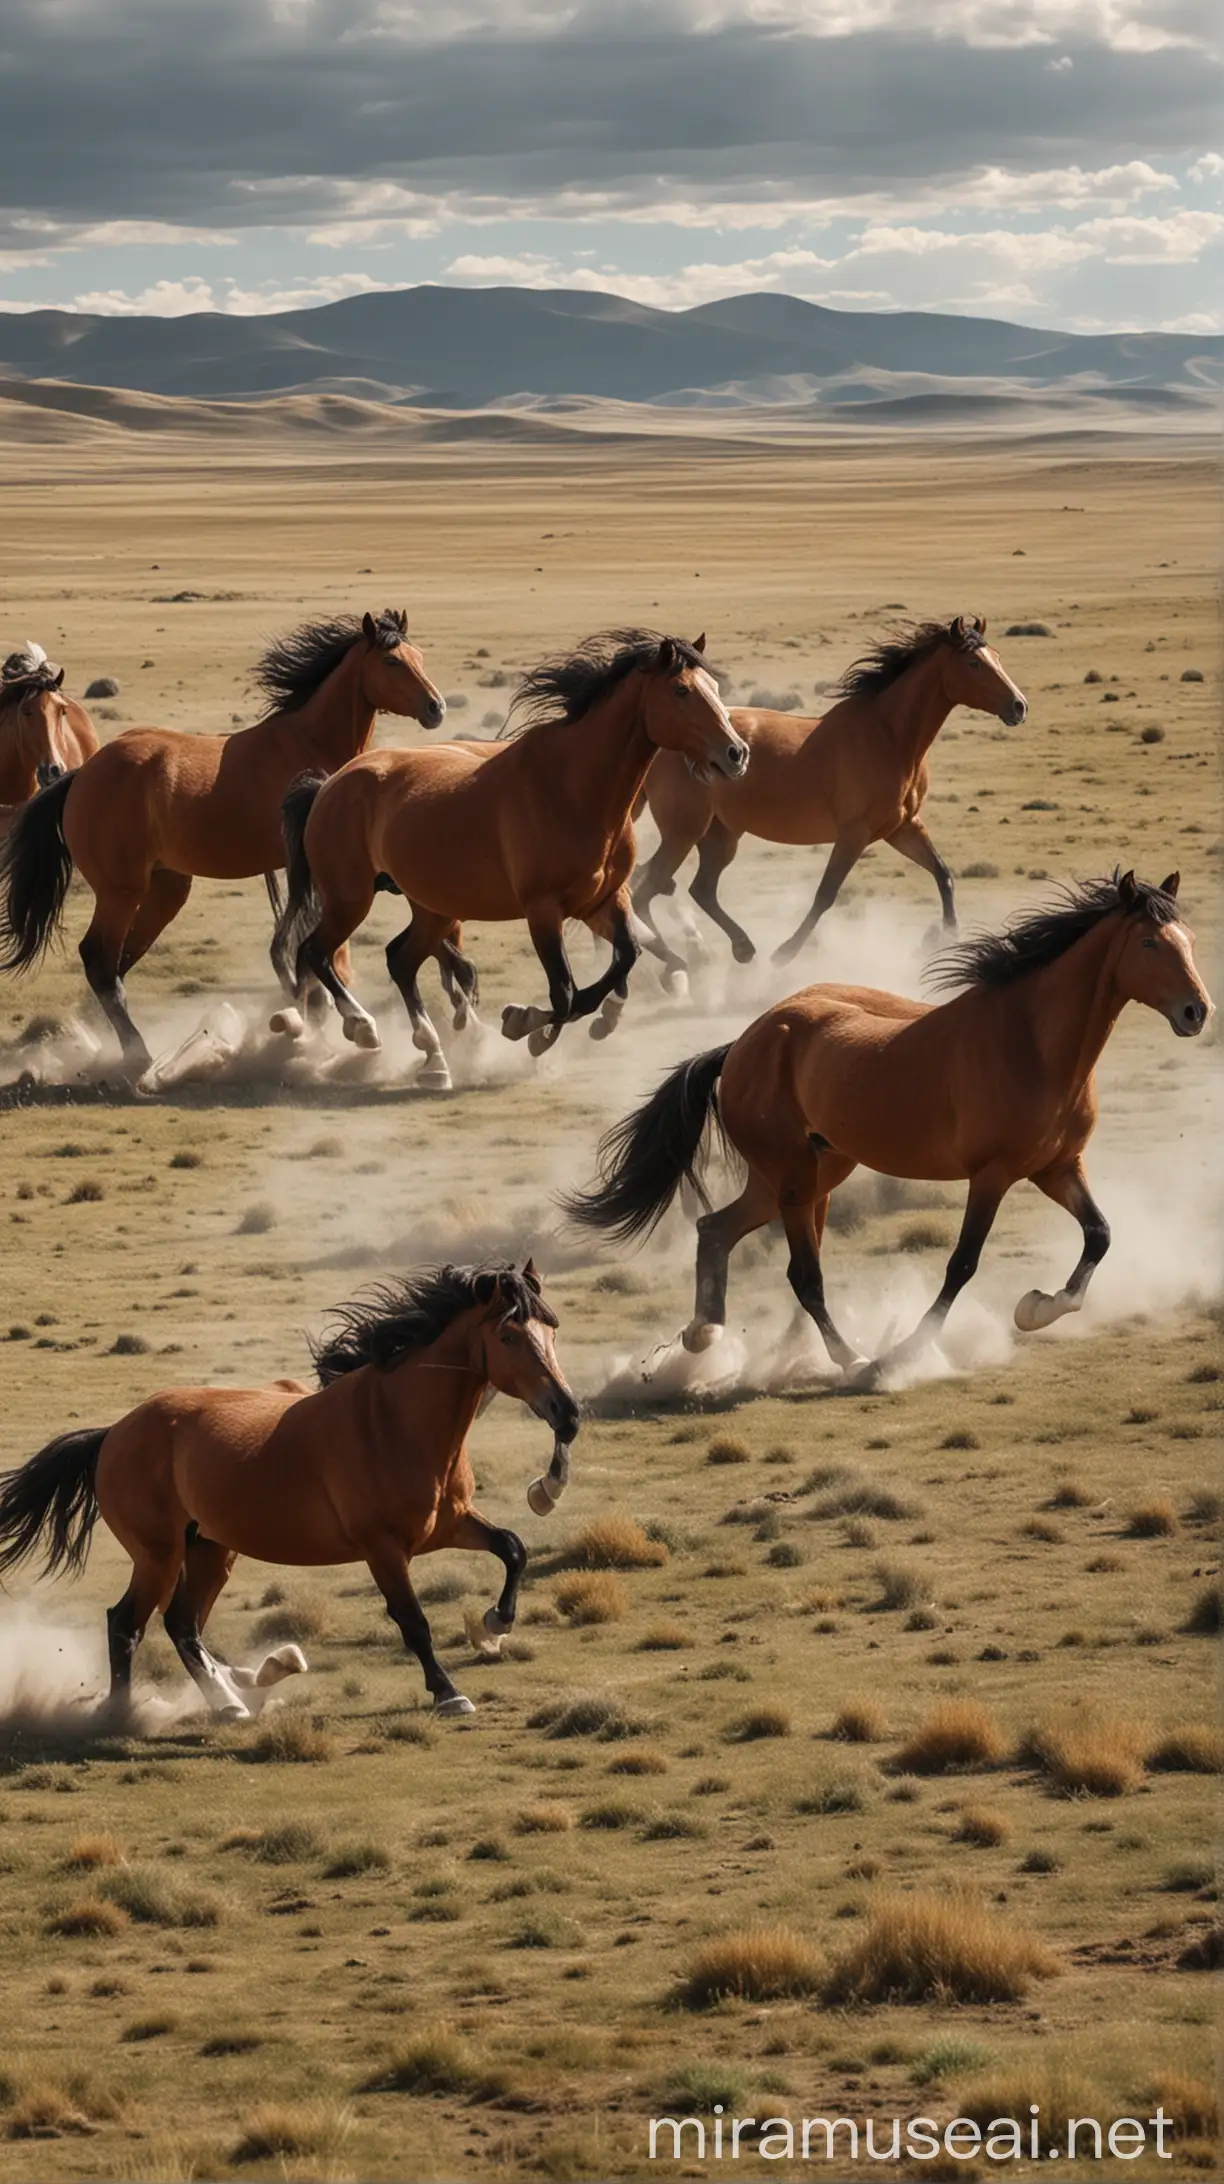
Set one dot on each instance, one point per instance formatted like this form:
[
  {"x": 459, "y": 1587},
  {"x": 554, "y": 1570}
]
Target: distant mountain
[{"x": 468, "y": 348}]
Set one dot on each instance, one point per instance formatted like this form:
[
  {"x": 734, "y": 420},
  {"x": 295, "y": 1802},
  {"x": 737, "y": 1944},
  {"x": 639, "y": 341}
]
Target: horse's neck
[
  {"x": 439, "y": 1390},
  {"x": 601, "y": 761},
  {"x": 916, "y": 706},
  {"x": 1073, "y": 1004},
  {"x": 338, "y": 721}
]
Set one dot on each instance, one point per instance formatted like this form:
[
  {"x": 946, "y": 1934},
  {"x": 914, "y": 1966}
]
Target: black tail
[
  {"x": 52, "y": 1497},
  {"x": 644, "y": 1159},
  {"x": 302, "y": 908},
  {"x": 35, "y": 868}
]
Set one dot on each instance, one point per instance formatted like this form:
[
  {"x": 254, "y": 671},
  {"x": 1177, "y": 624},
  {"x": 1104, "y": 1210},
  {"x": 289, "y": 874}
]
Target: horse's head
[
  {"x": 393, "y": 678},
  {"x": 684, "y": 712},
  {"x": 42, "y": 729},
  {"x": 1156, "y": 964},
  {"x": 520, "y": 1359},
  {"x": 976, "y": 676}
]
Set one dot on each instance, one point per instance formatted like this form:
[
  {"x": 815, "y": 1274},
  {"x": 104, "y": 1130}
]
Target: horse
[
  {"x": 992, "y": 1086},
  {"x": 537, "y": 826},
  {"x": 43, "y": 734},
  {"x": 855, "y": 775},
  {"x": 371, "y": 1467},
  {"x": 158, "y": 807}
]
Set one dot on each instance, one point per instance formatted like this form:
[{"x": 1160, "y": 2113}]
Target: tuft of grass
[
  {"x": 543, "y": 1819},
  {"x": 149, "y": 2028},
  {"x": 617, "y": 1543},
  {"x": 754, "y": 1964},
  {"x": 923, "y": 1236},
  {"x": 256, "y": 1221},
  {"x": 239, "y": 2040},
  {"x": 88, "y": 1918},
  {"x": 859, "y": 1721},
  {"x": 1098, "y": 1756},
  {"x": 611, "y": 1812},
  {"x": 129, "y": 1346},
  {"x": 958, "y": 1733},
  {"x": 594, "y": 1714},
  {"x": 642, "y": 1760},
  {"x": 354, "y": 1858},
  {"x": 666, "y": 1637},
  {"x": 1069, "y": 1494},
  {"x": 947, "y": 2058},
  {"x": 292, "y": 1737},
  {"x": 983, "y": 1829},
  {"x": 1206, "y": 1617},
  {"x": 280, "y": 2129},
  {"x": 1195, "y": 1747},
  {"x": 596, "y": 1596},
  {"x": 928, "y": 1948},
  {"x": 1191, "y": 2102},
  {"x": 756, "y": 1722},
  {"x": 901, "y": 1586},
  {"x": 725, "y": 1449},
  {"x": 287, "y": 1844},
  {"x": 153, "y": 1898},
  {"x": 291, "y": 1621},
  {"x": 1156, "y": 1519},
  {"x": 87, "y": 1851},
  {"x": 437, "y": 2063},
  {"x": 85, "y": 1194}
]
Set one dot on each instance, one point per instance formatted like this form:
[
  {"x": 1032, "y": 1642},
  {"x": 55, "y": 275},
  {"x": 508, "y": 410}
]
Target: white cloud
[
  {"x": 173, "y": 299},
  {"x": 1177, "y": 239},
  {"x": 1207, "y": 169}
]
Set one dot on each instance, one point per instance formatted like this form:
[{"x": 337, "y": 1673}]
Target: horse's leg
[
  {"x": 166, "y": 894},
  {"x": 717, "y": 1236},
  {"x": 911, "y": 840},
  {"x": 460, "y": 979},
  {"x": 719, "y": 847},
  {"x": 620, "y": 925},
  {"x": 101, "y": 952},
  {"x": 843, "y": 857},
  {"x": 541, "y": 1026},
  {"x": 154, "y": 1574},
  {"x": 658, "y": 877},
  {"x": 986, "y": 1193},
  {"x": 182, "y": 1620},
  {"x": 1067, "y": 1185},
  {"x": 318, "y": 954},
  {"x": 613, "y": 921},
  {"x": 206, "y": 1571},
  {"x": 804, "y": 1207},
  {"x": 474, "y": 1531},
  {"x": 388, "y": 1566},
  {"x": 405, "y": 955}
]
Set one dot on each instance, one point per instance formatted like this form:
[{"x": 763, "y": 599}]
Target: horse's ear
[
  {"x": 667, "y": 654},
  {"x": 403, "y": 620},
  {"x": 1128, "y": 892},
  {"x": 1171, "y": 885},
  {"x": 980, "y": 619},
  {"x": 699, "y": 642},
  {"x": 957, "y": 630},
  {"x": 58, "y": 684},
  {"x": 530, "y": 1275},
  {"x": 368, "y": 630}
]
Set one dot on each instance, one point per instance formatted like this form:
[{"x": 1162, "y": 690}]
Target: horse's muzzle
[
  {"x": 48, "y": 772},
  {"x": 433, "y": 713},
  {"x": 1189, "y": 1018},
  {"x": 734, "y": 760},
  {"x": 1012, "y": 715},
  {"x": 559, "y": 1408}
]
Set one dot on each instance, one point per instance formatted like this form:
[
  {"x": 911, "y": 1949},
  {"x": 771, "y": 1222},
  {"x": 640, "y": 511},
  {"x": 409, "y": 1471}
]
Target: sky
[{"x": 1056, "y": 162}]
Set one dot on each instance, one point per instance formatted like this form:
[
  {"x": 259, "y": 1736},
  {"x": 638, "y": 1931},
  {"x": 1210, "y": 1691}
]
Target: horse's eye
[{"x": 1149, "y": 944}]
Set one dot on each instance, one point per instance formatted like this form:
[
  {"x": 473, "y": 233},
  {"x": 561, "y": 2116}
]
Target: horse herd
[{"x": 990, "y": 1086}]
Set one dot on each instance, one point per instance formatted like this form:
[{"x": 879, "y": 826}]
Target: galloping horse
[
  {"x": 857, "y": 775},
  {"x": 43, "y": 734},
  {"x": 538, "y": 827},
  {"x": 157, "y": 807},
  {"x": 994, "y": 1086},
  {"x": 371, "y": 1468}
]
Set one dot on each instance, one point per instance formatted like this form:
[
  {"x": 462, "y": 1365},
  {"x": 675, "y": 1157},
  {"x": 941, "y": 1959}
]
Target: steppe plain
[{"x": 349, "y": 1942}]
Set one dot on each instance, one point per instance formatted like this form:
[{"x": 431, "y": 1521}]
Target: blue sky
[{"x": 1052, "y": 161}]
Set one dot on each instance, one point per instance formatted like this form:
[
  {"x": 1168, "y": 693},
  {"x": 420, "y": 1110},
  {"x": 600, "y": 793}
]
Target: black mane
[
  {"x": 294, "y": 665},
  {"x": 394, "y": 1318},
  {"x": 567, "y": 687},
  {"x": 18, "y": 679},
  {"x": 1038, "y": 937},
  {"x": 886, "y": 662}
]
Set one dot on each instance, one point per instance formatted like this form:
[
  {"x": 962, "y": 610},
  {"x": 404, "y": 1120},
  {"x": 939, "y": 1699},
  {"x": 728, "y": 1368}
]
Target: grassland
[{"x": 948, "y": 1643}]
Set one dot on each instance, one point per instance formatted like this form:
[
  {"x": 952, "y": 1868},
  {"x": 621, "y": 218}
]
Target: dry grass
[
  {"x": 926, "y": 1948},
  {"x": 757, "y": 1964},
  {"x": 859, "y": 1721},
  {"x": 543, "y": 1819},
  {"x": 87, "y": 1851},
  {"x": 87, "y": 1918},
  {"x": 1192, "y": 2103},
  {"x": 727, "y": 1450},
  {"x": 958, "y": 1733},
  {"x": 595, "y": 1597},
  {"x": 295, "y": 1620},
  {"x": 901, "y": 1585},
  {"x": 1195, "y": 1747},
  {"x": 1097, "y": 1756},
  {"x": 1155, "y": 1519},
  {"x": 292, "y": 1737},
  {"x": 286, "y": 2131},
  {"x": 667, "y": 1637},
  {"x": 983, "y": 1829},
  {"x": 757, "y": 1722},
  {"x": 617, "y": 1543}
]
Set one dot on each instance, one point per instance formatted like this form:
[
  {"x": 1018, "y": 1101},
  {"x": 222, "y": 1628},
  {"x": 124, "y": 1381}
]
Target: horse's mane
[
  {"x": 295, "y": 664},
  {"x": 24, "y": 672},
  {"x": 1038, "y": 937},
  {"x": 904, "y": 645},
  {"x": 394, "y": 1318},
  {"x": 568, "y": 686}
]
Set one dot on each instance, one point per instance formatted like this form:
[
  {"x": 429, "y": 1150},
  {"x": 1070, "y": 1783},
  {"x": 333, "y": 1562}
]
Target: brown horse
[
  {"x": 857, "y": 775},
  {"x": 538, "y": 827},
  {"x": 994, "y": 1086},
  {"x": 43, "y": 734},
  {"x": 371, "y": 1468},
  {"x": 157, "y": 807}
]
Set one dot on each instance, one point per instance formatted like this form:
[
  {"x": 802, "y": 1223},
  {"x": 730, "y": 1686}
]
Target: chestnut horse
[
  {"x": 857, "y": 775},
  {"x": 372, "y": 1468},
  {"x": 538, "y": 827},
  {"x": 43, "y": 734},
  {"x": 994, "y": 1086},
  {"x": 158, "y": 807}
]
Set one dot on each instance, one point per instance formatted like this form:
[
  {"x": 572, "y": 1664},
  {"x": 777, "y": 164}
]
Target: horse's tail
[
  {"x": 302, "y": 906},
  {"x": 52, "y": 1498},
  {"x": 35, "y": 869},
  {"x": 644, "y": 1159}
]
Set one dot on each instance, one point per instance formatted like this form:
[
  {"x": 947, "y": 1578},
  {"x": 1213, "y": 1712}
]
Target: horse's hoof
[
  {"x": 234, "y": 1712},
  {"x": 436, "y": 1076},
  {"x": 786, "y": 953},
  {"x": 288, "y": 1022},
  {"x": 516, "y": 1021},
  {"x": 1035, "y": 1310},
  {"x": 539, "y": 1040},
  {"x": 286, "y": 1661},
  {"x": 744, "y": 951},
  {"x": 701, "y": 1335},
  {"x": 453, "y": 1709},
  {"x": 485, "y": 1632},
  {"x": 540, "y": 1498},
  {"x": 675, "y": 982},
  {"x": 863, "y": 1377},
  {"x": 363, "y": 1032}
]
